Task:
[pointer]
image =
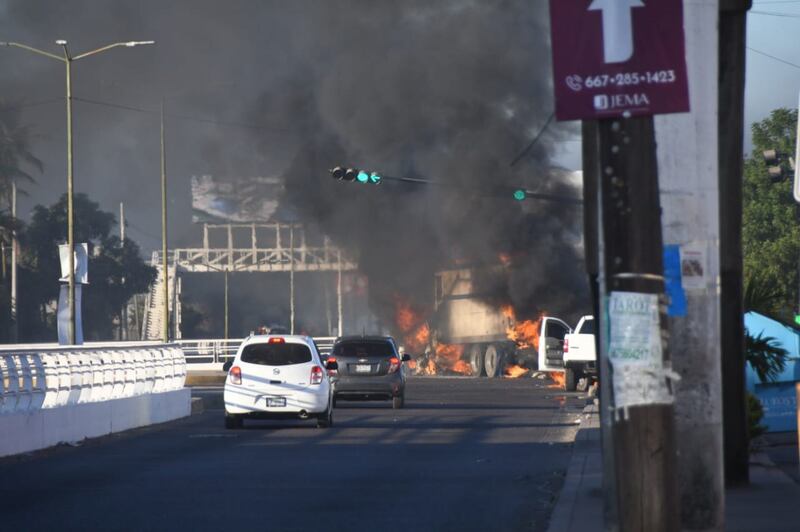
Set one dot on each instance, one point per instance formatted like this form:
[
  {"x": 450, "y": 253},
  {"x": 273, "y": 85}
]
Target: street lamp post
[{"x": 67, "y": 59}]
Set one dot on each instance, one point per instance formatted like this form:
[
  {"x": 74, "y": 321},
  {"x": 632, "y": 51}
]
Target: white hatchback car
[{"x": 278, "y": 377}]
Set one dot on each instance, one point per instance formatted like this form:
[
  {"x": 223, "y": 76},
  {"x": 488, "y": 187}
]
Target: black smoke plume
[{"x": 450, "y": 90}]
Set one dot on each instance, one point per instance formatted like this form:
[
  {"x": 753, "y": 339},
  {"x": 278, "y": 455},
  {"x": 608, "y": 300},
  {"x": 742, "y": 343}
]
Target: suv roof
[{"x": 370, "y": 338}]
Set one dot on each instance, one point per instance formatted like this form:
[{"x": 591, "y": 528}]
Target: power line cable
[
  {"x": 533, "y": 142},
  {"x": 795, "y": 65},
  {"x": 33, "y": 104},
  {"x": 774, "y": 14},
  {"x": 179, "y": 116}
]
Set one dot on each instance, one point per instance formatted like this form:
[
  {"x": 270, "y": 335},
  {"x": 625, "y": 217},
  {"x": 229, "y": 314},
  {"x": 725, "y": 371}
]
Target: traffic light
[
  {"x": 337, "y": 173},
  {"x": 354, "y": 174},
  {"x": 519, "y": 194}
]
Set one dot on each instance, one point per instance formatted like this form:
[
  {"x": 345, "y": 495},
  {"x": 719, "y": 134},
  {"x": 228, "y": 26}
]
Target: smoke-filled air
[{"x": 446, "y": 91}]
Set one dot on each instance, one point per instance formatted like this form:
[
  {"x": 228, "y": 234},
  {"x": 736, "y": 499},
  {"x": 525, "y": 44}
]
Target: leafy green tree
[
  {"x": 770, "y": 225},
  {"x": 116, "y": 272}
]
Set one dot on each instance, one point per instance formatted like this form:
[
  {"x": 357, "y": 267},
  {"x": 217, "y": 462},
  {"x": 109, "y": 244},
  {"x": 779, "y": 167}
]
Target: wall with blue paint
[{"x": 778, "y": 398}]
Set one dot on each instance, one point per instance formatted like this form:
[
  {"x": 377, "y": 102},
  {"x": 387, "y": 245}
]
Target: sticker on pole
[
  {"x": 618, "y": 58},
  {"x": 635, "y": 352}
]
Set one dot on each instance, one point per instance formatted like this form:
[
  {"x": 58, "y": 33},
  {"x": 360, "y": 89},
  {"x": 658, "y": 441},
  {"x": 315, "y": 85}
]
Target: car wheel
[
  {"x": 398, "y": 401},
  {"x": 233, "y": 422},
  {"x": 570, "y": 379},
  {"x": 475, "y": 358},
  {"x": 325, "y": 419}
]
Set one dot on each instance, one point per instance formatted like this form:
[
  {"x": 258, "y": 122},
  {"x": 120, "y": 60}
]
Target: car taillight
[
  {"x": 566, "y": 345},
  {"x": 236, "y": 375},
  {"x": 316, "y": 375},
  {"x": 277, "y": 340},
  {"x": 394, "y": 364},
  {"x": 330, "y": 362}
]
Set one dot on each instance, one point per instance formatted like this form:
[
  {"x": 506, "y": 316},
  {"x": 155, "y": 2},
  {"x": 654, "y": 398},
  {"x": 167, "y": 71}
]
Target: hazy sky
[{"x": 770, "y": 84}]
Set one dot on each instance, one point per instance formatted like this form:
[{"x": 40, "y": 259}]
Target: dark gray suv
[{"x": 370, "y": 368}]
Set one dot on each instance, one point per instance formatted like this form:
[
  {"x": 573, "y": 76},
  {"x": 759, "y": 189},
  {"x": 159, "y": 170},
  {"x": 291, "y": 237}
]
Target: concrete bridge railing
[
  {"x": 51, "y": 393},
  {"x": 50, "y": 377}
]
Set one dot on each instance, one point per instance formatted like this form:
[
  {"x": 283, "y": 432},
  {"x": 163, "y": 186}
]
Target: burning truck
[{"x": 467, "y": 335}]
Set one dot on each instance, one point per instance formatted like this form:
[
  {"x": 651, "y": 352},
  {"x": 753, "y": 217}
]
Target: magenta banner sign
[{"x": 618, "y": 58}]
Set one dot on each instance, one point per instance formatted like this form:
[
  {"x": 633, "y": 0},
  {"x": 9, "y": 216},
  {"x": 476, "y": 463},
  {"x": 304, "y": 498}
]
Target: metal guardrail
[
  {"x": 217, "y": 351},
  {"x": 36, "y": 377}
]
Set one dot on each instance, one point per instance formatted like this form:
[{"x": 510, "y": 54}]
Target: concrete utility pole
[
  {"x": 291, "y": 278},
  {"x": 226, "y": 304},
  {"x": 688, "y": 163},
  {"x": 14, "y": 252},
  {"x": 339, "y": 304},
  {"x": 123, "y": 315},
  {"x": 164, "y": 259},
  {"x": 643, "y": 433},
  {"x": 732, "y": 31}
]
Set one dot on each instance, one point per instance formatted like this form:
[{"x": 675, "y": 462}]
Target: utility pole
[
  {"x": 226, "y": 304},
  {"x": 593, "y": 253},
  {"x": 688, "y": 165},
  {"x": 291, "y": 278},
  {"x": 123, "y": 314},
  {"x": 164, "y": 261},
  {"x": 339, "y": 304},
  {"x": 732, "y": 31},
  {"x": 14, "y": 252},
  {"x": 643, "y": 424}
]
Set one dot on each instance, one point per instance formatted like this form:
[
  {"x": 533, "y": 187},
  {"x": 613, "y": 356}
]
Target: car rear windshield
[
  {"x": 276, "y": 354},
  {"x": 363, "y": 350}
]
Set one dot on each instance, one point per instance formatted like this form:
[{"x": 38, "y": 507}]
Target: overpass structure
[{"x": 269, "y": 248}]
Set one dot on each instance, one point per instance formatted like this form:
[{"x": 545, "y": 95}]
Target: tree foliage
[
  {"x": 766, "y": 356},
  {"x": 770, "y": 225},
  {"x": 116, "y": 272}
]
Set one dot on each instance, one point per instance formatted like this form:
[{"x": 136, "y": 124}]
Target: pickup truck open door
[{"x": 551, "y": 344}]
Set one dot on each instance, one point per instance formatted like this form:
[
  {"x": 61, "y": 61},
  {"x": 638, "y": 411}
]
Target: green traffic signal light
[
  {"x": 362, "y": 176},
  {"x": 519, "y": 194},
  {"x": 375, "y": 178}
]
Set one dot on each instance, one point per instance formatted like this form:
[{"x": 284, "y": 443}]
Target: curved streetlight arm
[
  {"x": 34, "y": 50},
  {"x": 129, "y": 44}
]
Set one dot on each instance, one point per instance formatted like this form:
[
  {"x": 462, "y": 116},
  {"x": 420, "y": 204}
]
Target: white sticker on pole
[{"x": 635, "y": 350}]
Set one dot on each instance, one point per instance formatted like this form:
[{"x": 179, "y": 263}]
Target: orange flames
[
  {"x": 416, "y": 333},
  {"x": 559, "y": 380},
  {"x": 523, "y": 333},
  {"x": 417, "y": 338},
  {"x": 515, "y": 371}
]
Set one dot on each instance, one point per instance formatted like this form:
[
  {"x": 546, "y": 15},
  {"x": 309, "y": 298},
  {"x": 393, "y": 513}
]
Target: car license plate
[
  {"x": 363, "y": 368},
  {"x": 276, "y": 401}
]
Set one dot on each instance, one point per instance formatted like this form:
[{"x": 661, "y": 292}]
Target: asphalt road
[{"x": 465, "y": 454}]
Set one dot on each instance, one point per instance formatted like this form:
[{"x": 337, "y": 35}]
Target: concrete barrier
[{"x": 53, "y": 394}]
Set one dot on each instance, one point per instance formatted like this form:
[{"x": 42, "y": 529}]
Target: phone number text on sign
[{"x": 623, "y": 79}]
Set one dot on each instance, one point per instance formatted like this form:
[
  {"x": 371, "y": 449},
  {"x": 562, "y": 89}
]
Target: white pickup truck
[{"x": 580, "y": 358}]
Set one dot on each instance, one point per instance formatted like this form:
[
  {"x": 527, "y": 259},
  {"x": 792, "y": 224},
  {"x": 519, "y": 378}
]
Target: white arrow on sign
[{"x": 617, "y": 28}]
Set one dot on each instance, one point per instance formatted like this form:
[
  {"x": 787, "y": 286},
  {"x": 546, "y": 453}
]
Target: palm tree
[
  {"x": 766, "y": 356},
  {"x": 16, "y": 156},
  {"x": 764, "y": 353}
]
